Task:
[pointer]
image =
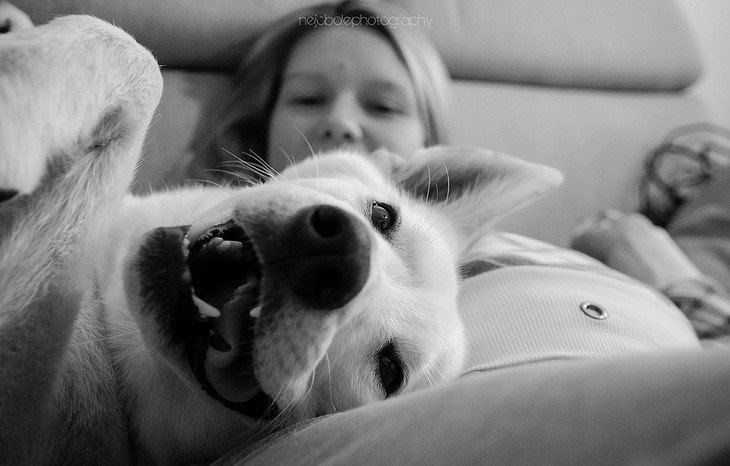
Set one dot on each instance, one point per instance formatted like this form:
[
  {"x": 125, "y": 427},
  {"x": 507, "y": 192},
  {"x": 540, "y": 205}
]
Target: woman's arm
[{"x": 631, "y": 244}]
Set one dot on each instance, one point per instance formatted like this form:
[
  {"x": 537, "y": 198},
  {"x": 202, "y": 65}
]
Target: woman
[{"x": 326, "y": 76}]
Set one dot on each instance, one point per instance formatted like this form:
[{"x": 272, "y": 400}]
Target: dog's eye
[
  {"x": 7, "y": 194},
  {"x": 382, "y": 216},
  {"x": 390, "y": 369}
]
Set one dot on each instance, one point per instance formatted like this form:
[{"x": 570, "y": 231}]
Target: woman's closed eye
[
  {"x": 385, "y": 107},
  {"x": 387, "y": 101},
  {"x": 307, "y": 100},
  {"x": 383, "y": 97}
]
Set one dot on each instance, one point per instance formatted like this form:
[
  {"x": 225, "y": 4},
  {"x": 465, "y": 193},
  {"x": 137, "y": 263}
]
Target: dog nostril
[
  {"x": 326, "y": 284},
  {"x": 327, "y": 221},
  {"x": 324, "y": 256},
  {"x": 7, "y": 194}
]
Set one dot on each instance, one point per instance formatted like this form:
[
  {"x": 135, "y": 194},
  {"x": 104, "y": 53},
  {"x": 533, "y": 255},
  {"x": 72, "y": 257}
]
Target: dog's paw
[
  {"x": 12, "y": 19},
  {"x": 74, "y": 86}
]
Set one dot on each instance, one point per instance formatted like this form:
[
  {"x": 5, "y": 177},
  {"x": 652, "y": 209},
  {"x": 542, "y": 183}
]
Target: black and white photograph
[{"x": 364, "y": 232}]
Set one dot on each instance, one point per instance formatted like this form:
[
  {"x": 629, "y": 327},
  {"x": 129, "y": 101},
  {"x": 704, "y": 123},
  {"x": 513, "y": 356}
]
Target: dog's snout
[
  {"x": 328, "y": 227},
  {"x": 328, "y": 253}
]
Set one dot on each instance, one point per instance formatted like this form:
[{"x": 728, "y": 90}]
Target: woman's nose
[{"x": 341, "y": 126}]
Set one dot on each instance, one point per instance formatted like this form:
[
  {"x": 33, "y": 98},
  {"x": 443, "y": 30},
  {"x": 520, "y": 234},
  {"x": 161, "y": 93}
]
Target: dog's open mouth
[
  {"x": 226, "y": 275},
  {"x": 207, "y": 290}
]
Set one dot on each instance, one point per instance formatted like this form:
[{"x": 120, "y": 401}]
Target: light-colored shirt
[{"x": 526, "y": 301}]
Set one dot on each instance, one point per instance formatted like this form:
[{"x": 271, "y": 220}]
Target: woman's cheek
[{"x": 404, "y": 139}]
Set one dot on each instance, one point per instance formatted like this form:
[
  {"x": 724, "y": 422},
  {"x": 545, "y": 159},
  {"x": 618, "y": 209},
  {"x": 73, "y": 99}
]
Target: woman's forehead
[{"x": 346, "y": 53}]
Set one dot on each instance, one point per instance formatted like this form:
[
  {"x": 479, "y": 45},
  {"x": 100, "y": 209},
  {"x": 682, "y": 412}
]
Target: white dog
[{"x": 172, "y": 327}]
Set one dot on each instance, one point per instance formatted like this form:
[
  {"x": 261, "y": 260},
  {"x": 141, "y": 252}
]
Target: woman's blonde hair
[{"x": 241, "y": 128}]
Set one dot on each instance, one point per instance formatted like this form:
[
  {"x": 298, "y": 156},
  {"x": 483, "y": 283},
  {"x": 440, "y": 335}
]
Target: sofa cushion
[{"x": 570, "y": 43}]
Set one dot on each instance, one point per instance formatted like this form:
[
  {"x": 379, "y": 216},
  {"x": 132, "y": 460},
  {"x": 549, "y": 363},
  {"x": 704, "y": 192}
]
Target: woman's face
[{"x": 343, "y": 87}]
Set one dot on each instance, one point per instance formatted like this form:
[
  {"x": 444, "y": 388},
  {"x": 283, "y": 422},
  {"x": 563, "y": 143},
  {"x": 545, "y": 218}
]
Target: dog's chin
[{"x": 205, "y": 294}]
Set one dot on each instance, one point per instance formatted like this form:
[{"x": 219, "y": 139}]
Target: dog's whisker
[
  {"x": 208, "y": 182},
  {"x": 293, "y": 167},
  {"x": 258, "y": 166},
  {"x": 428, "y": 185},
  {"x": 317, "y": 175},
  {"x": 289, "y": 157},
  {"x": 248, "y": 169},
  {"x": 264, "y": 164},
  {"x": 448, "y": 182},
  {"x": 239, "y": 162},
  {"x": 281, "y": 418},
  {"x": 329, "y": 382},
  {"x": 282, "y": 409},
  {"x": 310, "y": 386},
  {"x": 261, "y": 167},
  {"x": 247, "y": 179},
  {"x": 306, "y": 139},
  {"x": 259, "y": 161}
]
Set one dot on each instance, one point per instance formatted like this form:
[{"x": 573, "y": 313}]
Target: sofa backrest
[{"x": 587, "y": 86}]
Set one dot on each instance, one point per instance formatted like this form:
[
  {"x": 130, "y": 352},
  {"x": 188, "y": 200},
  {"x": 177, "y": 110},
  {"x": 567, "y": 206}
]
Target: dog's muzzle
[
  {"x": 324, "y": 258},
  {"x": 211, "y": 291}
]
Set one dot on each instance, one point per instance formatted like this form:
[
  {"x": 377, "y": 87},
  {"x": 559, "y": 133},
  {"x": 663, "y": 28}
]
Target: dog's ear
[
  {"x": 387, "y": 162},
  {"x": 476, "y": 187}
]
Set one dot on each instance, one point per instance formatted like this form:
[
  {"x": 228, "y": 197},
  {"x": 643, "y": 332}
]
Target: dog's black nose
[
  {"x": 7, "y": 194},
  {"x": 327, "y": 254}
]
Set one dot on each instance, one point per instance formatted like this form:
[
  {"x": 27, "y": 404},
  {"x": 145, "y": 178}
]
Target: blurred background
[{"x": 710, "y": 22}]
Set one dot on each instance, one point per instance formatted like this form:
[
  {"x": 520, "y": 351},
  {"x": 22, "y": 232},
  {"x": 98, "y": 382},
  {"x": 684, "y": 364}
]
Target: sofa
[{"x": 587, "y": 86}]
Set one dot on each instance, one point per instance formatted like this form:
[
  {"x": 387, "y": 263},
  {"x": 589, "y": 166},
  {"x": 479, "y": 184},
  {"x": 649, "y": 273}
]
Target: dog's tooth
[
  {"x": 256, "y": 312},
  {"x": 186, "y": 247},
  {"x": 205, "y": 309},
  {"x": 213, "y": 243}
]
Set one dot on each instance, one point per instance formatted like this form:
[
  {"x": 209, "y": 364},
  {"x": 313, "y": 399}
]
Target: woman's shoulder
[{"x": 499, "y": 249}]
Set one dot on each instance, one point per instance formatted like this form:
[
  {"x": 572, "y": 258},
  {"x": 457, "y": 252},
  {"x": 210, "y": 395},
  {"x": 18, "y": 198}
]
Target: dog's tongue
[
  {"x": 235, "y": 324},
  {"x": 231, "y": 372}
]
